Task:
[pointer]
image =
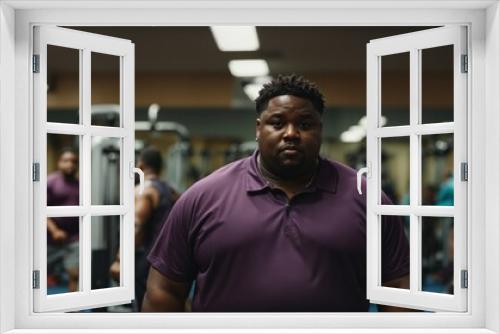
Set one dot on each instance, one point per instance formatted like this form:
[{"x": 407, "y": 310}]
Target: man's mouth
[{"x": 290, "y": 150}]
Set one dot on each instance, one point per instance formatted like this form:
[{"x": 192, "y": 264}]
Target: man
[
  {"x": 281, "y": 231},
  {"x": 62, "y": 232},
  {"x": 151, "y": 210}
]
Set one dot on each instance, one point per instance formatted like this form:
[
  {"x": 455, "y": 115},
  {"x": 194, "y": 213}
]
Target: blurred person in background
[
  {"x": 62, "y": 232},
  {"x": 151, "y": 210}
]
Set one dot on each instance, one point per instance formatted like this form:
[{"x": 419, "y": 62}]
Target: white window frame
[{"x": 16, "y": 21}]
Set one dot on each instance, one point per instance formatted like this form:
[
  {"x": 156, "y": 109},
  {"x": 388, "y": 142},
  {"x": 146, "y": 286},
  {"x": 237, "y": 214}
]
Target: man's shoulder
[
  {"x": 340, "y": 169},
  {"x": 229, "y": 175},
  {"x": 54, "y": 177},
  {"x": 343, "y": 179}
]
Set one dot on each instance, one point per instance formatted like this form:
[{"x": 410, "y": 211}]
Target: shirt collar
[
  {"x": 255, "y": 181},
  {"x": 326, "y": 179}
]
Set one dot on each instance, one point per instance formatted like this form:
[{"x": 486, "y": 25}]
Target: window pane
[
  {"x": 395, "y": 171},
  {"x": 437, "y": 84},
  {"x": 437, "y": 254},
  {"x": 105, "y": 235},
  {"x": 437, "y": 170},
  {"x": 395, "y": 89},
  {"x": 106, "y": 154},
  {"x": 63, "y": 186},
  {"x": 63, "y": 84},
  {"x": 105, "y": 90},
  {"x": 395, "y": 249},
  {"x": 63, "y": 254}
]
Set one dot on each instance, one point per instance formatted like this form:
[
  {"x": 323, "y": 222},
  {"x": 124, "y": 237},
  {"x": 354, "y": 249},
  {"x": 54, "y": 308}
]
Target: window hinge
[
  {"x": 36, "y": 171},
  {"x": 36, "y": 279},
  {"x": 464, "y": 279},
  {"x": 465, "y": 64},
  {"x": 464, "y": 171},
  {"x": 36, "y": 63}
]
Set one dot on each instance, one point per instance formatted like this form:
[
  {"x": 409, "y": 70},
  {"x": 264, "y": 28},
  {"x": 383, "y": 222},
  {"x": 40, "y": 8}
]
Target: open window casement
[
  {"x": 414, "y": 47},
  {"x": 90, "y": 215}
]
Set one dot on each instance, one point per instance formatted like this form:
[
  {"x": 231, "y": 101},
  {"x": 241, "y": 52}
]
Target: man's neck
[
  {"x": 69, "y": 177},
  {"x": 290, "y": 185}
]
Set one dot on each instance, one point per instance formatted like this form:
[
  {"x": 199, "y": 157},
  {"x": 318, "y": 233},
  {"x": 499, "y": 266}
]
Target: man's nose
[{"x": 291, "y": 131}]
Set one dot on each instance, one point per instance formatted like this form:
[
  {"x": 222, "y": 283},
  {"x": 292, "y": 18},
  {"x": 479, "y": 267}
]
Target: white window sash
[
  {"x": 86, "y": 43},
  {"x": 414, "y": 297}
]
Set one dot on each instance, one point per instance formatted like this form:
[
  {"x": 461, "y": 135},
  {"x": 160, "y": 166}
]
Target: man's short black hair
[
  {"x": 293, "y": 84},
  {"x": 151, "y": 157}
]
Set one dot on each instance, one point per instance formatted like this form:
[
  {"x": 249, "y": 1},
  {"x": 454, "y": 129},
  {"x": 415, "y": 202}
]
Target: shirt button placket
[{"x": 288, "y": 208}]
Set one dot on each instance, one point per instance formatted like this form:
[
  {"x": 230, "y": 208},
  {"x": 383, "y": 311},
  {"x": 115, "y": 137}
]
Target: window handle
[
  {"x": 139, "y": 171},
  {"x": 364, "y": 170}
]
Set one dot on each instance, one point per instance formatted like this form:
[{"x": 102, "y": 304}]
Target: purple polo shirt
[
  {"x": 63, "y": 192},
  {"x": 251, "y": 250}
]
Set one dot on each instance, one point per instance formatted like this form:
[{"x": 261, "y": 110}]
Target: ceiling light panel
[
  {"x": 236, "y": 38},
  {"x": 248, "y": 68}
]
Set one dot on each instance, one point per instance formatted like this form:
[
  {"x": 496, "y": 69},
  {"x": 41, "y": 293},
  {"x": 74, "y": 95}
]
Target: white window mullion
[
  {"x": 373, "y": 115},
  {"x": 420, "y": 129},
  {"x": 108, "y": 210},
  {"x": 65, "y": 129},
  {"x": 421, "y": 210},
  {"x": 106, "y": 131},
  {"x": 85, "y": 254},
  {"x": 415, "y": 253},
  {"x": 65, "y": 211},
  {"x": 127, "y": 102},
  {"x": 393, "y": 210},
  {"x": 393, "y": 131},
  {"x": 85, "y": 180},
  {"x": 415, "y": 177},
  {"x": 435, "y": 128}
]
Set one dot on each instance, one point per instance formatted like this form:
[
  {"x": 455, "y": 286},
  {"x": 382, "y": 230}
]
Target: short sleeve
[
  {"x": 395, "y": 248},
  {"x": 50, "y": 190},
  {"x": 171, "y": 253}
]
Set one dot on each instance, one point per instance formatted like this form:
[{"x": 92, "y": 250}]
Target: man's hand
[
  {"x": 59, "y": 235},
  {"x": 114, "y": 269},
  {"x": 56, "y": 233},
  {"x": 163, "y": 294}
]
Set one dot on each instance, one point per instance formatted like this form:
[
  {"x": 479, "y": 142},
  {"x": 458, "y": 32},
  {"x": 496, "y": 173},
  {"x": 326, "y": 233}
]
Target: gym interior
[{"x": 201, "y": 116}]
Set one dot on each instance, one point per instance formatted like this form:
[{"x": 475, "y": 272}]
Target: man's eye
[
  {"x": 305, "y": 125},
  {"x": 276, "y": 124}
]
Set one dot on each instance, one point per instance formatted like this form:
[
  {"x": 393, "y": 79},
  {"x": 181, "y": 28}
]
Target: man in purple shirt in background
[
  {"x": 281, "y": 231},
  {"x": 62, "y": 232}
]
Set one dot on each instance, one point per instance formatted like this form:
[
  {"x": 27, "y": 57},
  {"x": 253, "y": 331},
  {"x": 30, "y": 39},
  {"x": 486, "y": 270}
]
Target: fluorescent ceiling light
[
  {"x": 350, "y": 137},
  {"x": 355, "y": 134},
  {"x": 252, "y": 90},
  {"x": 248, "y": 68},
  {"x": 363, "y": 122},
  {"x": 262, "y": 80},
  {"x": 383, "y": 121},
  {"x": 236, "y": 38}
]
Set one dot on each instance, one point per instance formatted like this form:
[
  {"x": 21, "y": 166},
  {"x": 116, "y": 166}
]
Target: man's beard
[{"x": 301, "y": 169}]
